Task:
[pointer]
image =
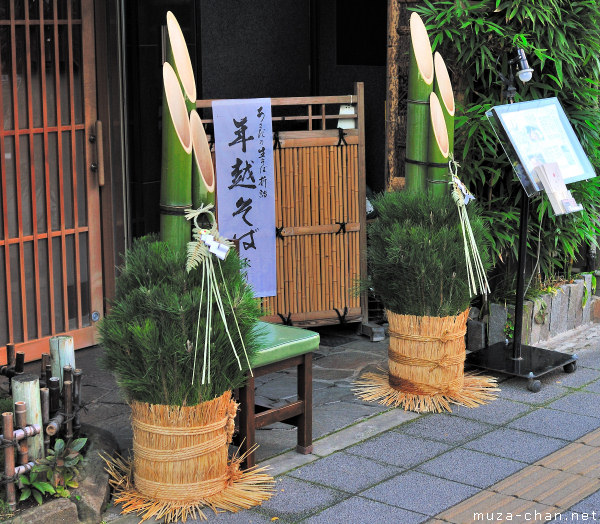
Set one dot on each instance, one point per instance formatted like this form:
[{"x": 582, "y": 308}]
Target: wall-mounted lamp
[
  {"x": 519, "y": 65},
  {"x": 524, "y": 72}
]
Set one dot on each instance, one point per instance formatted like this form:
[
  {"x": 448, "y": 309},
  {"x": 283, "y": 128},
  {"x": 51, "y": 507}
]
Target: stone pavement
[{"x": 522, "y": 453}]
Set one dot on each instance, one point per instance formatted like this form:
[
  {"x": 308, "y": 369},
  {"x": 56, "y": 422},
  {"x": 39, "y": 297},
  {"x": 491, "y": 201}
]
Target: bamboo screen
[{"x": 320, "y": 210}]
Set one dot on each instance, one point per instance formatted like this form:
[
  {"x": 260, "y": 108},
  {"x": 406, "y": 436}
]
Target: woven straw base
[
  {"x": 245, "y": 489},
  {"x": 476, "y": 390}
]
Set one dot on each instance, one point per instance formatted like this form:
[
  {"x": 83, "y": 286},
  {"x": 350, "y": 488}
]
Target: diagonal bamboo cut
[
  {"x": 203, "y": 175},
  {"x": 178, "y": 56},
  {"x": 176, "y": 180},
  {"x": 420, "y": 86},
  {"x": 442, "y": 87},
  {"x": 438, "y": 148}
]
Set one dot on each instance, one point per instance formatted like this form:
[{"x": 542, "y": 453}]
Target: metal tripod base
[{"x": 534, "y": 362}]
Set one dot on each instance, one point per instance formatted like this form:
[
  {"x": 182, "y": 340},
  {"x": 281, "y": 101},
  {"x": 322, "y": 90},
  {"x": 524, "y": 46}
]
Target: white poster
[{"x": 246, "y": 185}]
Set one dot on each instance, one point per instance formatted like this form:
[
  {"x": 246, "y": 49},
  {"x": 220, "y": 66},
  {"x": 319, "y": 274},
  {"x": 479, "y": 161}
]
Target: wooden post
[
  {"x": 68, "y": 408},
  {"x": 26, "y": 388},
  {"x": 54, "y": 388},
  {"x": 9, "y": 460},
  {"x": 45, "y": 402},
  {"x": 62, "y": 351},
  {"x": 77, "y": 399},
  {"x": 21, "y": 422}
]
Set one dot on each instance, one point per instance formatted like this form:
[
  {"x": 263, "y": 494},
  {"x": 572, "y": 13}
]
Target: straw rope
[
  {"x": 189, "y": 491},
  {"x": 443, "y": 338},
  {"x": 172, "y": 455},
  {"x": 444, "y": 362},
  {"x": 183, "y": 431}
]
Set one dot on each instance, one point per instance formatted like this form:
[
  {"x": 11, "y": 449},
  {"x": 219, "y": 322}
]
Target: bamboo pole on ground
[
  {"x": 203, "y": 174},
  {"x": 9, "y": 461},
  {"x": 62, "y": 351},
  {"x": 442, "y": 87},
  {"x": 26, "y": 388},
  {"x": 178, "y": 56},
  {"x": 176, "y": 180},
  {"x": 420, "y": 86},
  {"x": 437, "y": 171}
]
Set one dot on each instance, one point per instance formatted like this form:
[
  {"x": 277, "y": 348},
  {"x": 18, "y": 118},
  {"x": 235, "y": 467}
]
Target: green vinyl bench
[{"x": 282, "y": 347}]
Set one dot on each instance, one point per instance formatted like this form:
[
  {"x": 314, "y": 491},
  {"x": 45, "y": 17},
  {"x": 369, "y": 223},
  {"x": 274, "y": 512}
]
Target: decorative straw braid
[
  {"x": 446, "y": 336},
  {"x": 175, "y": 455},
  {"x": 166, "y": 491},
  {"x": 444, "y": 362},
  {"x": 183, "y": 431}
]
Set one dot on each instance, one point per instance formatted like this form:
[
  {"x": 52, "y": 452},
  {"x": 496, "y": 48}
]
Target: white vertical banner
[{"x": 246, "y": 185}]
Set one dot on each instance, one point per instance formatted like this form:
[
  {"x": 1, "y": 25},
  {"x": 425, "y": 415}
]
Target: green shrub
[
  {"x": 562, "y": 41},
  {"x": 150, "y": 331},
  {"x": 416, "y": 254}
]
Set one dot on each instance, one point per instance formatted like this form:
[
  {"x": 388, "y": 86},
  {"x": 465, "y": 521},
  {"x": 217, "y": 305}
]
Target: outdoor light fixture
[{"x": 519, "y": 65}]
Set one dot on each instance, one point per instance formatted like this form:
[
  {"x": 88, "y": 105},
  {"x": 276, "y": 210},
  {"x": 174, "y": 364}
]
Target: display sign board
[
  {"x": 246, "y": 185},
  {"x": 538, "y": 132}
]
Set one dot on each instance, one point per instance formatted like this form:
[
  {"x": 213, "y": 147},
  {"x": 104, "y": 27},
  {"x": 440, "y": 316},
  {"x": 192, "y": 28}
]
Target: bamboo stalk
[
  {"x": 10, "y": 355},
  {"x": 203, "y": 174},
  {"x": 438, "y": 148},
  {"x": 21, "y": 422},
  {"x": 442, "y": 87},
  {"x": 9, "y": 461},
  {"x": 45, "y": 404},
  {"x": 176, "y": 180},
  {"x": 44, "y": 366},
  {"x": 68, "y": 407},
  {"x": 67, "y": 373},
  {"x": 62, "y": 351},
  {"x": 77, "y": 374},
  {"x": 26, "y": 388},
  {"x": 54, "y": 392},
  {"x": 178, "y": 57},
  {"x": 420, "y": 86}
]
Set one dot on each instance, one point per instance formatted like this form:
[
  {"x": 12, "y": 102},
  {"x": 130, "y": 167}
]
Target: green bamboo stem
[
  {"x": 176, "y": 180},
  {"x": 178, "y": 56},
  {"x": 420, "y": 86},
  {"x": 438, "y": 150},
  {"x": 203, "y": 174},
  {"x": 442, "y": 87}
]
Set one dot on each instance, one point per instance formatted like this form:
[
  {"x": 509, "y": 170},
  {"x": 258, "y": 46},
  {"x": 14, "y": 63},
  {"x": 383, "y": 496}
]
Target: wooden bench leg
[
  {"x": 305, "y": 445},
  {"x": 247, "y": 423}
]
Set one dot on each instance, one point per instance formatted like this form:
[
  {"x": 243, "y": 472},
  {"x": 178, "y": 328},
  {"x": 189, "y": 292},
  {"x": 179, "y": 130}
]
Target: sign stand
[{"x": 545, "y": 155}]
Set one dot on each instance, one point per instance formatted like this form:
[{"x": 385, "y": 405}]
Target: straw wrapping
[
  {"x": 168, "y": 455},
  {"x": 445, "y": 361},
  {"x": 198, "y": 430}
]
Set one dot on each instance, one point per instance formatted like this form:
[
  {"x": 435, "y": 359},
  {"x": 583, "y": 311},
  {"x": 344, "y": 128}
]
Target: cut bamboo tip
[
  {"x": 444, "y": 83},
  {"x": 438, "y": 124},
  {"x": 177, "y": 108},
  {"x": 181, "y": 56},
  {"x": 421, "y": 47},
  {"x": 202, "y": 156}
]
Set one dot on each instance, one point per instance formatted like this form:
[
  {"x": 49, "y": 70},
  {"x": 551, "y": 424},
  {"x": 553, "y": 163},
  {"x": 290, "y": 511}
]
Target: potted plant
[
  {"x": 416, "y": 259},
  {"x": 179, "y": 341}
]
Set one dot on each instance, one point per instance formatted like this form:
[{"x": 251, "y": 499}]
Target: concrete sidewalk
[{"x": 524, "y": 452}]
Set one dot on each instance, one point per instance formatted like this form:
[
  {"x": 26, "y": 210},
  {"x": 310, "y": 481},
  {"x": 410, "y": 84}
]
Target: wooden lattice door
[{"x": 50, "y": 247}]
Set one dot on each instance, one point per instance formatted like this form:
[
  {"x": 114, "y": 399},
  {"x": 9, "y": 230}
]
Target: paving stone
[
  {"x": 364, "y": 344},
  {"x": 445, "y": 428},
  {"x": 515, "y": 445},
  {"x": 567, "y": 517},
  {"x": 588, "y": 505},
  {"x": 345, "y": 472},
  {"x": 331, "y": 417},
  {"x": 499, "y": 411},
  {"x": 574, "y": 314},
  {"x": 320, "y": 373},
  {"x": 494, "y": 507},
  {"x": 352, "y": 360},
  {"x": 516, "y": 389},
  {"x": 576, "y": 379},
  {"x": 399, "y": 449},
  {"x": 540, "y": 327},
  {"x": 579, "y": 402},
  {"x": 591, "y": 439},
  {"x": 496, "y": 323},
  {"x": 295, "y": 499},
  {"x": 274, "y": 440},
  {"x": 418, "y": 492},
  {"x": 594, "y": 386},
  {"x": 241, "y": 517},
  {"x": 470, "y": 467},
  {"x": 548, "y": 486},
  {"x": 557, "y": 424},
  {"x": 358, "y": 510},
  {"x": 589, "y": 359},
  {"x": 576, "y": 458},
  {"x": 559, "y": 311}
]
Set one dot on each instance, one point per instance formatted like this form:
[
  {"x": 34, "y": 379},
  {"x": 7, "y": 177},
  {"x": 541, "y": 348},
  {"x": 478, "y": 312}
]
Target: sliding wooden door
[{"x": 50, "y": 246}]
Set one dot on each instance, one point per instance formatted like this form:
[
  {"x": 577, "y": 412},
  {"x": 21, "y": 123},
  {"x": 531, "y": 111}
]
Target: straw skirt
[
  {"x": 181, "y": 464},
  {"x": 426, "y": 367}
]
